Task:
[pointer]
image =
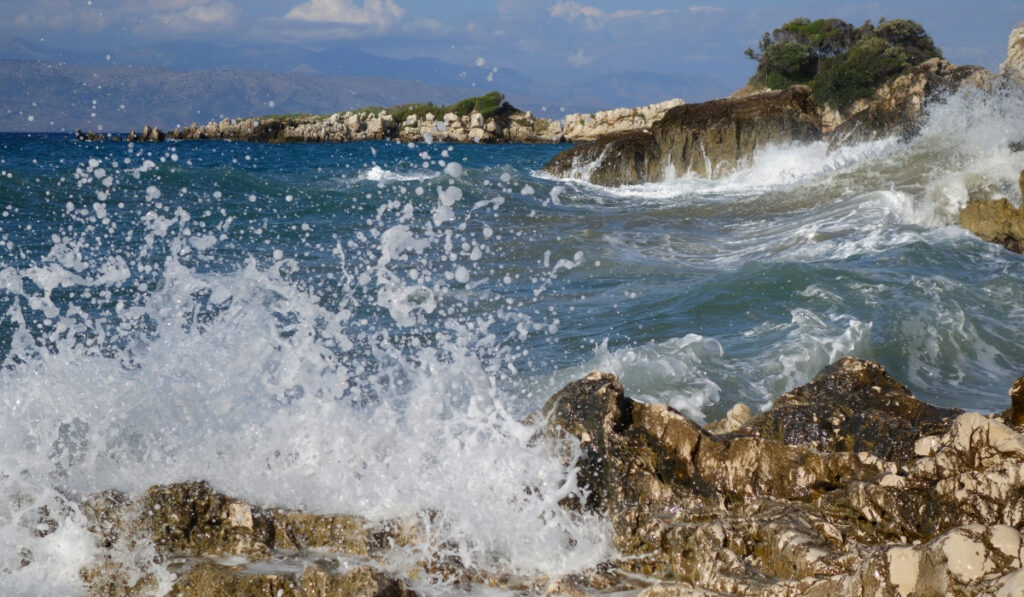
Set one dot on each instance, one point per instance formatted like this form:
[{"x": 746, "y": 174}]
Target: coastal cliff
[{"x": 848, "y": 485}]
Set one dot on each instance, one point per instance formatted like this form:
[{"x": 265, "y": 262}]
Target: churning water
[{"x": 361, "y": 328}]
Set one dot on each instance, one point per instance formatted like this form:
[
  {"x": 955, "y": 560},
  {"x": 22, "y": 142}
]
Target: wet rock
[
  {"x": 319, "y": 579},
  {"x": 918, "y": 505},
  {"x": 897, "y": 108},
  {"x": 709, "y": 139},
  {"x": 855, "y": 406},
  {"x": 713, "y": 138},
  {"x": 1016, "y": 414},
  {"x": 612, "y": 160},
  {"x": 996, "y": 220}
]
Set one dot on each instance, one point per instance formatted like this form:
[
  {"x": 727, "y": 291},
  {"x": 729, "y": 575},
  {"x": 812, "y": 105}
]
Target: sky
[{"x": 560, "y": 39}]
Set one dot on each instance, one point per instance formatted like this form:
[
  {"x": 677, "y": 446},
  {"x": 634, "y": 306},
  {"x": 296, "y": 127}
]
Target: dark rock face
[
  {"x": 854, "y": 406},
  {"x": 898, "y": 107},
  {"x": 710, "y": 139},
  {"x": 996, "y": 220},
  {"x": 612, "y": 160}
]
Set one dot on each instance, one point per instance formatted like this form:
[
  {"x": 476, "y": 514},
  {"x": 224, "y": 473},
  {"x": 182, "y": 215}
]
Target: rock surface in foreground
[
  {"x": 709, "y": 139},
  {"x": 847, "y": 486}
]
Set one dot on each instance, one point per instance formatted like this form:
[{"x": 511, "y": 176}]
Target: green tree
[{"x": 840, "y": 62}]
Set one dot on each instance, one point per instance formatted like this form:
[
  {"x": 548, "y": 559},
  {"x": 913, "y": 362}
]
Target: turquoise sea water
[{"x": 360, "y": 328}]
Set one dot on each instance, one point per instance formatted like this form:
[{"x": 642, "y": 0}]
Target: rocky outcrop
[
  {"x": 897, "y": 108},
  {"x": 588, "y": 127},
  {"x": 1013, "y": 66},
  {"x": 507, "y": 125},
  {"x": 745, "y": 513},
  {"x": 996, "y": 220},
  {"x": 708, "y": 139},
  {"x": 848, "y": 485}
]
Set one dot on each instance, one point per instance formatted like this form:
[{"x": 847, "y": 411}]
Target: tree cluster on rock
[{"x": 840, "y": 62}]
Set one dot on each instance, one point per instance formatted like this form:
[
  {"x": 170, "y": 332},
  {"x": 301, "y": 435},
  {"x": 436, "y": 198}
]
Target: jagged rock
[
  {"x": 745, "y": 514},
  {"x": 709, "y": 139},
  {"x": 996, "y": 220},
  {"x": 1013, "y": 66},
  {"x": 854, "y": 406},
  {"x": 898, "y": 107},
  {"x": 934, "y": 509}
]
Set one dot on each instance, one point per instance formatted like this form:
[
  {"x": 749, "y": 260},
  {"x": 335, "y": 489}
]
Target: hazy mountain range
[{"x": 49, "y": 89}]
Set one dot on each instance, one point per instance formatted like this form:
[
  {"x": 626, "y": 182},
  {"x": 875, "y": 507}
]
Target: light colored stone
[
  {"x": 904, "y": 568},
  {"x": 927, "y": 445},
  {"x": 891, "y": 480},
  {"x": 1006, "y": 540},
  {"x": 965, "y": 558},
  {"x": 1013, "y": 66}
]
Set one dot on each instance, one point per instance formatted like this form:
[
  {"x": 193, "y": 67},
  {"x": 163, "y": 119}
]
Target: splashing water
[{"x": 362, "y": 328}]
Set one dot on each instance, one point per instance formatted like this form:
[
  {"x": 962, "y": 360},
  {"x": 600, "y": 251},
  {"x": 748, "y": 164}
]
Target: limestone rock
[
  {"x": 996, "y": 220},
  {"x": 1013, "y": 66}
]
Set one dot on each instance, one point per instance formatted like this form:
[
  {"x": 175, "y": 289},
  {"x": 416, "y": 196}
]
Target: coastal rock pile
[
  {"x": 709, "y": 139},
  {"x": 996, "y": 220},
  {"x": 504, "y": 126},
  {"x": 847, "y": 486}
]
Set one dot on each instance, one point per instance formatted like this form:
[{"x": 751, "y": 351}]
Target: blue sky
[{"x": 567, "y": 40}]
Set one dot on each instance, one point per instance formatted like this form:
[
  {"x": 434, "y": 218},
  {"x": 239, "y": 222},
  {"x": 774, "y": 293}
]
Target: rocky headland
[
  {"x": 506, "y": 124},
  {"x": 848, "y": 485}
]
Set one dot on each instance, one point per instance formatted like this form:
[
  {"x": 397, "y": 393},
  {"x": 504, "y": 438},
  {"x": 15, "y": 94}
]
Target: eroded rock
[{"x": 709, "y": 139}]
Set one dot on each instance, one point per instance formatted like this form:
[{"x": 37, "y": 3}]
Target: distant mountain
[
  {"x": 43, "y": 96},
  {"x": 169, "y": 84}
]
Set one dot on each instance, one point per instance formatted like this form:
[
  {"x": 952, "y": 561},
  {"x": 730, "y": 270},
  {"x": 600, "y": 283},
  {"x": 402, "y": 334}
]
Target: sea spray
[{"x": 139, "y": 352}]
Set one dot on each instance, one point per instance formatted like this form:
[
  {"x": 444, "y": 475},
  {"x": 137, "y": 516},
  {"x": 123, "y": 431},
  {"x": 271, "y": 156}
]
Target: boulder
[
  {"x": 612, "y": 160},
  {"x": 709, "y": 139},
  {"x": 996, "y": 220},
  {"x": 1013, "y": 66},
  {"x": 897, "y": 108}
]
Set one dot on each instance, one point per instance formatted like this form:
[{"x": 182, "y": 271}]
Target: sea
[{"x": 364, "y": 328}]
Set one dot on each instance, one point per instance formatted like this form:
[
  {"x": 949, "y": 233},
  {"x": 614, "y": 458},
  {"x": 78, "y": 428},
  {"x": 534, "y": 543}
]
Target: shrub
[{"x": 841, "y": 63}]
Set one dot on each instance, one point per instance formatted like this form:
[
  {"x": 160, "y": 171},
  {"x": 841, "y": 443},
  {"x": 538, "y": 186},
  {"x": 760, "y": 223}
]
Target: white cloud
[
  {"x": 181, "y": 16},
  {"x": 594, "y": 17},
  {"x": 579, "y": 59},
  {"x": 705, "y": 8},
  {"x": 372, "y": 13},
  {"x": 54, "y": 14}
]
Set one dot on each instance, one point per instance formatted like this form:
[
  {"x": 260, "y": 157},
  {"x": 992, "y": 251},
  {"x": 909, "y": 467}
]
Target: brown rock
[
  {"x": 854, "y": 405},
  {"x": 1017, "y": 402},
  {"x": 612, "y": 160},
  {"x": 710, "y": 139},
  {"x": 996, "y": 220}
]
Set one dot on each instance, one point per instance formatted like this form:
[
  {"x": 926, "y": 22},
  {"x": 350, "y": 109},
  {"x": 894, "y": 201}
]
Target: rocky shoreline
[
  {"x": 848, "y": 485},
  {"x": 506, "y": 125}
]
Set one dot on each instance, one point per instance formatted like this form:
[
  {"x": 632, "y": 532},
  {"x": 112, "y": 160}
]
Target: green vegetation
[
  {"x": 487, "y": 105},
  {"x": 840, "y": 62}
]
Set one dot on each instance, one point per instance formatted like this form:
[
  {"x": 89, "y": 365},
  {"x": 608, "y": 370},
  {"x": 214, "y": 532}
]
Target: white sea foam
[
  {"x": 244, "y": 379},
  {"x": 376, "y": 173}
]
